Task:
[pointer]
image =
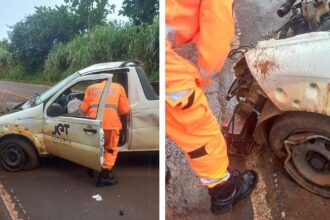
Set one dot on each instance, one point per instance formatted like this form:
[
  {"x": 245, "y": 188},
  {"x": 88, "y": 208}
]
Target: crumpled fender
[
  {"x": 294, "y": 72},
  {"x": 14, "y": 129}
]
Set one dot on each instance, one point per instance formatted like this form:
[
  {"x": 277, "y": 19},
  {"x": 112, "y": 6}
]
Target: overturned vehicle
[{"x": 282, "y": 88}]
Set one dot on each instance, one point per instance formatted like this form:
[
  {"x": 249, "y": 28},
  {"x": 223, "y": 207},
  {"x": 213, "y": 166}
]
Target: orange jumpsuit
[
  {"x": 116, "y": 104},
  {"x": 189, "y": 121}
]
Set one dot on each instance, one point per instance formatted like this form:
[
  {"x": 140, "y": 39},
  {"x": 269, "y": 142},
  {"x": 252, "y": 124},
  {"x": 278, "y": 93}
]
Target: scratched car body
[
  {"x": 282, "y": 89},
  {"x": 39, "y": 127}
]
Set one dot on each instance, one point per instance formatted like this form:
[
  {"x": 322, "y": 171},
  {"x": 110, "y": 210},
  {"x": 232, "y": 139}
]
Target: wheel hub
[
  {"x": 13, "y": 157},
  {"x": 317, "y": 161},
  {"x": 308, "y": 161}
]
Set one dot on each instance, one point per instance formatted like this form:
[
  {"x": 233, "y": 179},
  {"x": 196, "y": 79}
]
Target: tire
[
  {"x": 325, "y": 26},
  {"x": 307, "y": 150},
  {"x": 18, "y": 154},
  {"x": 293, "y": 123}
]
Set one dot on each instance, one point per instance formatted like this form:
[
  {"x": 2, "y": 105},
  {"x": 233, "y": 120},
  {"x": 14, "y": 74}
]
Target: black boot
[
  {"x": 106, "y": 178},
  {"x": 238, "y": 186}
]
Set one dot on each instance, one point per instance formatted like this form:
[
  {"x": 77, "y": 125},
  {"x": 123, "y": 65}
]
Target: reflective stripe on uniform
[
  {"x": 211, "y": 181},
  {"x": 176, "y": 96},
  {"x": 111, "y": 106},
  {"x": 170, "y": 35},
  {"x": 106, "y": 106},
  {"x": 94, "y": 106}
]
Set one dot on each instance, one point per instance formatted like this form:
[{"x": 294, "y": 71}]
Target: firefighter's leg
[
  {"x": 195, "y": 130},
  {"x": 191, "y": 124},
  {"x": 111, "y": 138},
  {"x": 106, "y": 178}
]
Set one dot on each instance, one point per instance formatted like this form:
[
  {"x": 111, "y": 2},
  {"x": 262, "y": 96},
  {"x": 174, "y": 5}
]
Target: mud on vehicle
[
  {"x": 282, "y": 88},
  {"x": 45, "y": 125}
]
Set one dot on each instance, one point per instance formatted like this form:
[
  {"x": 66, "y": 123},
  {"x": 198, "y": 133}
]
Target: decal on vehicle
[
  {"x": 25, "y": 118},
  {"x": 61, "y": 128},
  {"x": 61, "y": 140}
]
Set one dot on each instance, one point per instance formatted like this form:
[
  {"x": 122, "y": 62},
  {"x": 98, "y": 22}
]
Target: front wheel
[
  {"x": 302, "y": 140},
  {"x": 17, "y": 154}
]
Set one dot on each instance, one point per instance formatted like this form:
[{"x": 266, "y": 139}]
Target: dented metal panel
[
  {"x": 27, "y": 123},
  {"x": 294, "y": 73},
  {"x": 81, "y": 140},
  {"x": 37, "y": 140},
  {"x": 145, "y": 132},
  {"x": 69, "y": 137},
  {"x": 145, "y": 117}
]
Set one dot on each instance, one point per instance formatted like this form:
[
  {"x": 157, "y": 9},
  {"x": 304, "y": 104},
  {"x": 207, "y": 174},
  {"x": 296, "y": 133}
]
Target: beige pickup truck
[{"x": 43, "y": 125}]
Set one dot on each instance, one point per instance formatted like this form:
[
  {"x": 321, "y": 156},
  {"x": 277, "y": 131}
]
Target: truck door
[
  {"x": 144, "y": 112},
  {"x": 74, "y": 136}
]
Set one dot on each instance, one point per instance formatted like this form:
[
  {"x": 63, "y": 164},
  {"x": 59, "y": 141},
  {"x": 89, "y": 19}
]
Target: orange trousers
[
  {"x": 111, "y": 138},
  {"x": 193, "y": 127}
]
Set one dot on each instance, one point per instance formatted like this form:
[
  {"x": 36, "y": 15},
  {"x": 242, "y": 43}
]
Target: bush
[
  {"x": 5, "y": 56},
  {"x": 112, "y": 42},
  {"x": 6, "y": 60}
]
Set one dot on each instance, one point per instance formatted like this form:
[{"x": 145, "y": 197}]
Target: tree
[
  {"x": 32, "y": 38},
  {"x": 140, "y": 11},
  {"x": 89, "y": 13}
]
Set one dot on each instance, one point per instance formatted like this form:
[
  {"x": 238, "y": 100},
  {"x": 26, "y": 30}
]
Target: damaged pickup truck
[
  {"x": 282, "y": 88},
  {"x": 45, "y": 125}
]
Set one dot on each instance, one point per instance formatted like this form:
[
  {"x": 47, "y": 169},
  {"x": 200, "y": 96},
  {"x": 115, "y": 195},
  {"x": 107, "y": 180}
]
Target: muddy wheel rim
[
  {"x": 308, "y": 162},
  {"x": 13, "y": 157}
]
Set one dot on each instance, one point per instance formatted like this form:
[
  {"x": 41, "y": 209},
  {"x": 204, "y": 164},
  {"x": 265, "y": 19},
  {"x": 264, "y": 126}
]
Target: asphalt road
[{"x": 59, "y": 189}]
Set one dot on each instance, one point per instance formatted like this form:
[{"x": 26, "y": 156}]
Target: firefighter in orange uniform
[
  {"x": 189, "y": 121},
  {"x": 116, "y": 104}
]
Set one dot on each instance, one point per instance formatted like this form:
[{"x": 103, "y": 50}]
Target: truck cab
[{"x": 45, "y": 125}]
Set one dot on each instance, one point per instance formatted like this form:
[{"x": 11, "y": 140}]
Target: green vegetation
[
  {"x": 32, "y": 38},
  {"x": 140, "y": 11},
  {"x": 5, "y": 55},
  {"x": 87, "y": 14},
  {"x": 105, "y": 44},
  {"x": 55, "y": 42}
]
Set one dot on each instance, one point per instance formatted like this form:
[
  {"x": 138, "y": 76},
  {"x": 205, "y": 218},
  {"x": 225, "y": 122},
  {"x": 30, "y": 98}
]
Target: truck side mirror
[{"x": 55, "y": 109}]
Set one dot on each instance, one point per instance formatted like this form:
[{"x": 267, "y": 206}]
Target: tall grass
[
  {"x": 5, "y": 56},
  {"x": 113, "y": 42},
  {"x": 6, "y": 62}
]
